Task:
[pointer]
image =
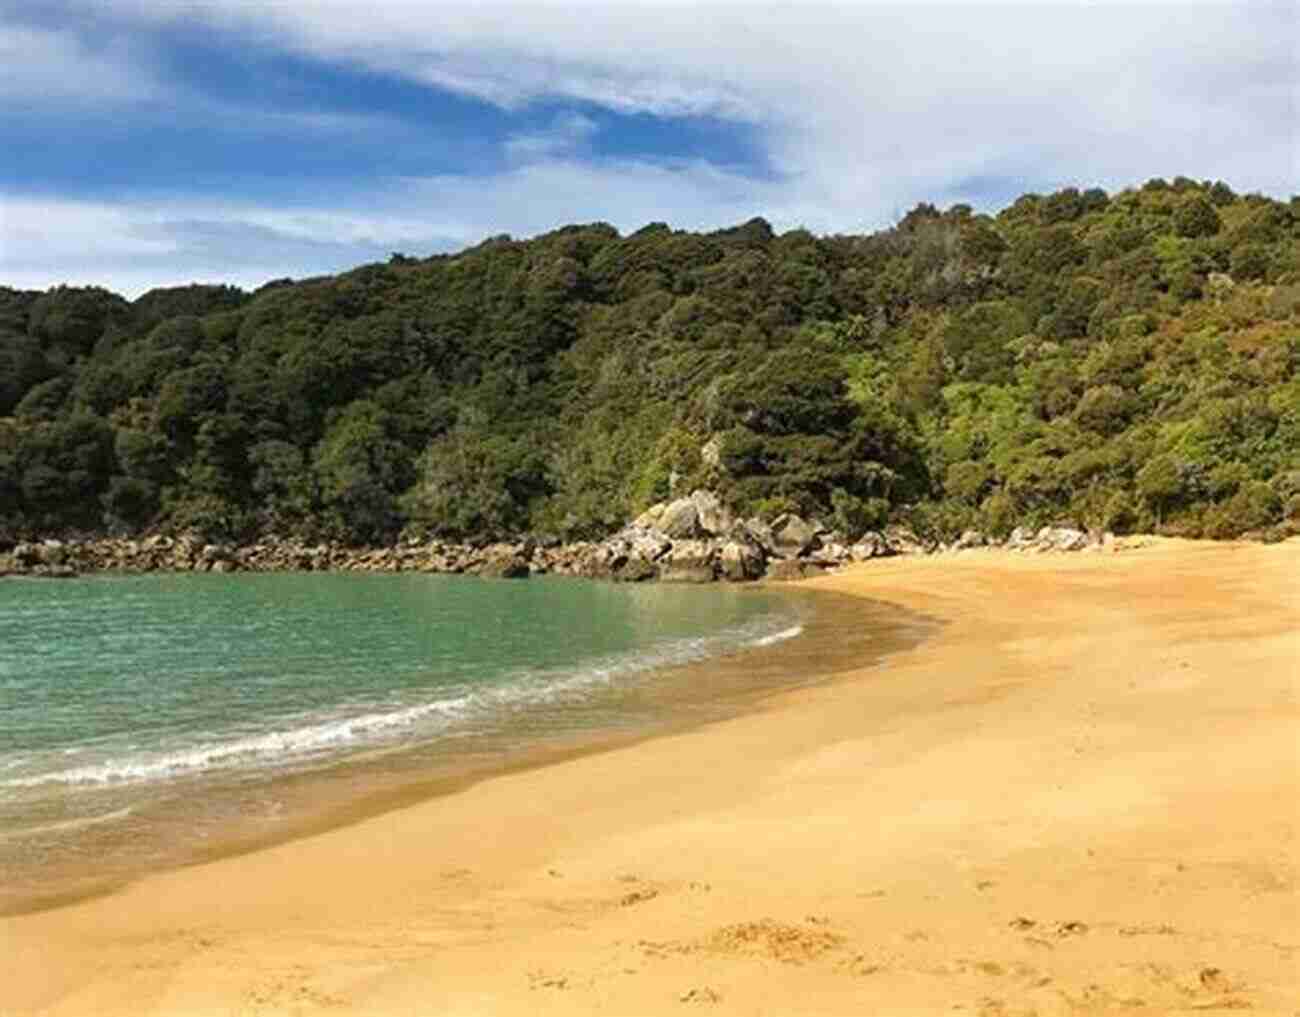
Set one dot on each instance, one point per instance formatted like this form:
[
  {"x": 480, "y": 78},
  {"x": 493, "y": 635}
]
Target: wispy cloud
[
  {"x": 857, "y": 110},
  {"x": 134, "y": 245},
  {"x": 566, "y": 135},
  {"x": 43, "y": 67},
  {"x": 1108, "y": 92}
]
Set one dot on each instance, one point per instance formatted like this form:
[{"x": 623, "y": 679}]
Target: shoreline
[
  {"x": 836, "y": 632},
  {"x": 1019, "y": 813},
  {"x": 692, "y": 540}
]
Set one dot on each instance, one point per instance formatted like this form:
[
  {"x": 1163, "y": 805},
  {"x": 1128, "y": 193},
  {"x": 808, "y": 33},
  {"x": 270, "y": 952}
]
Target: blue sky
[{"x": 153, "y": 144}]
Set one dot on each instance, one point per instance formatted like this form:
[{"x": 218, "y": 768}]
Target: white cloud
[
  {"x": 852, "y": 95},
  {"x": 567, "y": 135},
  {"x": 42, "y": 66},
  {"x": 860, "y": 110},
  {"x": 132, "y": 246}
]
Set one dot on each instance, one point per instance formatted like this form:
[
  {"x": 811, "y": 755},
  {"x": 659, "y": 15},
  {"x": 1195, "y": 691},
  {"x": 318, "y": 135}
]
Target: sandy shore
[{"x": 1080, "y": 796}]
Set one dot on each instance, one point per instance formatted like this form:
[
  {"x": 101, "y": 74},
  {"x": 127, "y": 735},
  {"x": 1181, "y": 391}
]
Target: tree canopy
[{"x": 1125, "y": 360}]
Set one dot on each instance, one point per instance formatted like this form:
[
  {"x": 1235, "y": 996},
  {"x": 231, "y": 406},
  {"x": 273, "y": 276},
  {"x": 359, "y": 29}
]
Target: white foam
[
  {"x": 778, "y": 637},
  {"x": 310, "y": 740},
  {"x": 296, "y": 742}
]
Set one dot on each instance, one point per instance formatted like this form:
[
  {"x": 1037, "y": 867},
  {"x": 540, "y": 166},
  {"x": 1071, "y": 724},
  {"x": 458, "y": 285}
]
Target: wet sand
[{"x": 1079, "y": 796}]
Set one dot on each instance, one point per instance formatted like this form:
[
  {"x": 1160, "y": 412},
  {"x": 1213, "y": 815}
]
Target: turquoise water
[{"x": 137, "y": 713}]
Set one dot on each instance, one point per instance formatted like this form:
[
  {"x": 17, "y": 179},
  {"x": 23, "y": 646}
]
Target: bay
[{"x": 149, "y": 721}]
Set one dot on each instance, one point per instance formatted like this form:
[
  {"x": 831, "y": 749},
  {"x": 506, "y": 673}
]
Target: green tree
[
  {"x": 360, "y": 469},
  {"x": 1197, "y": 217}
]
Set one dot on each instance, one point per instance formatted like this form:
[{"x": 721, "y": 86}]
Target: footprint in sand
[
  {"x": 638, "y": 897},
  {"x": 860, "y": 965},
  {"x": 1216, "y": 980}
]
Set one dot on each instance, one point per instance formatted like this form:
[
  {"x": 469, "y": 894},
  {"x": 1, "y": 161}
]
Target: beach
[{"x": 1079, "y": 795}]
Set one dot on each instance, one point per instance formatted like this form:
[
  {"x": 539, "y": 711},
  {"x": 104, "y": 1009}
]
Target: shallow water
[{"x": 149, "y": 721}]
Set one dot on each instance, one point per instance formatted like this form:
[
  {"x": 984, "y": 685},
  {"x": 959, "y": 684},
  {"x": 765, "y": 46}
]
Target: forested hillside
[{"x": 1127, "y": 361}]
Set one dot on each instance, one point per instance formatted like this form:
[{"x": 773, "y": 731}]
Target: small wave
[
  {"x": 65, "y": 825},
  {"x": 520, "y": 689},
  {"x": 778, "y": 637},
  {"x": 297, "y": 742}
]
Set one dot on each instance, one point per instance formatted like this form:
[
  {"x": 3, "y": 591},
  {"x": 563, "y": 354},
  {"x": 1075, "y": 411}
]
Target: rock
[
  {"x": 506, "y": 566},
  {"x": 648, "y": 544},
  {"x": 611, "y": 555},
  {"x": 969, "y": 539},
  {"x": 901, "y": 540},
  {"x": 756, "y": 531},
  {"x": 27, "y": 555},
  {"x": 740, "y": 560},
  {"x": 1061, "y": 538},
  {"x": 53, "y": 552},
  {"x": 214, "y": 553},
  {"x": 686, "y": 574},
  {"x": 788, "y": 569},
  {"x": 1020, "y": 539},
  {"x": 680, "y": 519},
  {"x": 690, "y": 561},
  {"x": 635, "y": 570},
  {"x": 713, "y": 519},
  {"x": 792, "y": 536},
  {"x": 833, "y": 551},
  {"x": 55, "y": 572},
  {"x": 870, "y": 545},
  {"x": 649, "y": 519}
]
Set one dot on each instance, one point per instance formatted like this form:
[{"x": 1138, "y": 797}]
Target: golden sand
[{"x": 1081, "y": 796}]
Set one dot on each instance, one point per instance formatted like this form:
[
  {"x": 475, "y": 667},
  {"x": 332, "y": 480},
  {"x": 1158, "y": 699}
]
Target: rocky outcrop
[
  {"x": 693, "y": 540},
  {"x": 1056, "y": 538},
  {"x": 696, "y": 539}
]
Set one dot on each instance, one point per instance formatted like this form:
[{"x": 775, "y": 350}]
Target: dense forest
[{"x": 1128, "y": 361}]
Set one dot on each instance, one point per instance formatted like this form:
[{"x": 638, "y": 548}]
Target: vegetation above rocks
[{"x": 1119, "y": 362}]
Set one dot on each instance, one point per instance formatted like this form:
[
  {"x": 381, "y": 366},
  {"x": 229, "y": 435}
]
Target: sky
[{"x": 148, "y": 143}]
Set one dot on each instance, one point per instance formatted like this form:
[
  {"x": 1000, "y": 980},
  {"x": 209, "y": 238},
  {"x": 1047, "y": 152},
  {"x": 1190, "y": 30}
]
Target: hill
[{"x": 1126, "y": 361}]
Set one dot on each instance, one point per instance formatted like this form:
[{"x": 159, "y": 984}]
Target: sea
[{"x": 161, "y": 720}]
